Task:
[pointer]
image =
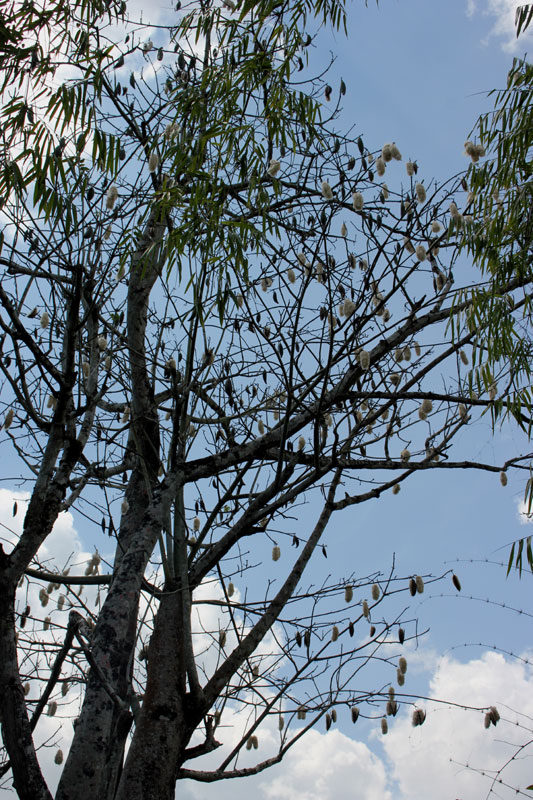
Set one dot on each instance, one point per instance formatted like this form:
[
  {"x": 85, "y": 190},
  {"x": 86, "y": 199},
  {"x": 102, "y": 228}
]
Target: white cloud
[
  {"x": 324, "y": 767},
  {"x": 421, "y": 762},
  {"x": 409, "y": 763},
  {"x": 522, "y": 512},
  {"x": 62, "y": 548},
  {"x": 319, "y": 767},
  {"x": 430, "y": 760},
  {"x": 63, "y": 542},
  {"x": 503, "y": 12}
]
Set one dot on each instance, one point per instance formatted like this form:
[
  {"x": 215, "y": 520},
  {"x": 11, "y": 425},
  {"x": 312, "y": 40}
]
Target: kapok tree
[{"x": 214, "y": 311}]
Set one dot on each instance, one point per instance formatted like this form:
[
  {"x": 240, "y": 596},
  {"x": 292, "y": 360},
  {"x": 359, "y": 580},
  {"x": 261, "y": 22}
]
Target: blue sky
[{"x": 417, "y": 73}]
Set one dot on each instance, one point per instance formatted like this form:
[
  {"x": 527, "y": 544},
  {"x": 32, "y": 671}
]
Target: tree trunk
[
  {"x": 162, "y": 732},
  {"x": 16, "y": 732}
]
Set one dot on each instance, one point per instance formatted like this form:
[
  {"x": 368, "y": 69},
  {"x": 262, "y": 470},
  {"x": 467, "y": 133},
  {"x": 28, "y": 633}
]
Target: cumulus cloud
[
  {"x": 63, "y": 542},
  {"x": 446, "y": 756},
  {"x": 62, "y": 549},
  {"x": 503, "y": 14},
  {"x": 319, "y": 767},
  {"x": 329, "y": 767},
  {"x": 522, "y": 512},
  {"x": 408, "y": 763}
]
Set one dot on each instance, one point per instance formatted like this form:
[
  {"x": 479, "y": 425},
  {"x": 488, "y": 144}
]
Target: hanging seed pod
[
  {"x": 384, "y": 726},
  {"x": 26, "y": 689},
  {"x": 298, "y": 638},
  {"x": 334, "y": 715},
  {"x": 52, "y": 708},
  {"x": 380, "y": 167},
  {"x": 111, "y": 197},
  {"x": 418, "y": 717},
  {"x": 396, "y": 488},
  {"x": 58, "y": 758},
  {"x": 372, "y": 631},
  {"x": 391, "y": 692},
  {"x": 494, "y": 715},
  {"x": 274, "y": 167},
  {"x": 8, "y": 419},
  {"x": 503, "y": 478},
  {"x": 400, "y": 677},
  {"x": 102, "y": 342},
  {"x": 153, "y": 161},
  {"x": 402, "y": 664},
  {"x": 462, "y": 411},
  {"x": 419, "y": 584},
  {"x": 364, "y": 359},
  {"x": 231, "y": 589},
  {"x": 46, "y": 623},
  {"x": 456, "y": 582},
  {"x": 420, "y": 193},
  {"x": 64, "y": 688},
  {"x": 334, "y": 634},
  {"x": 143, "y": 653},
  {"x": 395, "y": 378},
  {"x": 355, "y": 714},
  {"x": 426, "y": 406},
  {"x": 463, "y": 356},
  {"x": 405, "y": 455},
  {"x": 255, "y": 742},
  {"x": 401, "y": 635},
  {"x": 351, "y": 629},
  {"x": 375, "y": 591},
  {"x": 348, "y": 593},
  {"x": 307, "y": 639},
  {"x": 357, "y": 201},
  {"x": 420, "y": 252},
  {"x": 328, "y": 722},
  {"x": 326, "y": 190},
  {"x": 417, "y": 348},
  {"x": 222, "y": 635},
  {"x": 301, "y": 443},
  {"x": 302, "y": 712},
  {"x": 276, "y": 553},
  {"x": 392, "y": 708},
  {"x": 412, "y": 587},
  {"x": 281, "y": 723},
  {"x": 366, "y": 610},
  {"x": 487, "y": 720},
  {"x": 249, "y": 743}
]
